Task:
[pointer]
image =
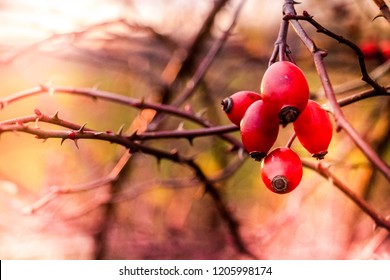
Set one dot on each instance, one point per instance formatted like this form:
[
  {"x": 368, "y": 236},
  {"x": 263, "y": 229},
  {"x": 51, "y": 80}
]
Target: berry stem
[
  {"x": 291, "y": 140},
  {"x": 281, "y": 50}
]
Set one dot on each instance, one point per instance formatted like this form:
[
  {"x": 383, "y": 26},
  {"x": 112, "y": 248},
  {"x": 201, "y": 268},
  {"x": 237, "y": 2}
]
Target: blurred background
[{"x": 156, "y": 210}]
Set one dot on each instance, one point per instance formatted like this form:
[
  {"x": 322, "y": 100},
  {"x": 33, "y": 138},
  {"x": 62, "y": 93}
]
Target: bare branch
[
  {"x": 383, "y": 8},
  {"x": 113, "y": 97},
  {"x": 323, "y": 169},
  {"x": 318, "y": 57}
]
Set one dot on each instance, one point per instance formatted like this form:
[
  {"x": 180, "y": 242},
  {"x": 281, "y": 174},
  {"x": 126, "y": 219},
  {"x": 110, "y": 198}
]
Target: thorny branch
[
  {"x": 281, "y": 48},
  {"x": 116, "y": 98},
  {"x": 383, "y": 8},
  {"x": 82, "y": 132},
  {"x": 318, "y": 57}
]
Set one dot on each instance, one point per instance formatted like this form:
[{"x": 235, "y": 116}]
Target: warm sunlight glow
[{"x": 32, "y": 20}]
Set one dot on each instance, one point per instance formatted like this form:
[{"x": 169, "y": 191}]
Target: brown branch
[
  {"x": 116, "y": 98},
  {"x": 188, "y": 134},
  {"x": 208, "y": 60},
  {"x": 349, "y": 86},
  {"x": 323, "y": 169},
  {"x": 173, "y": 156},
  {"x": 365, "y": 75},
  {"x": 83, "y": 132},
  {"x": 383, "y": 8},
  {"x": 341, "y": 121},
  {"x": 361, "y": 96},
  {"x": 200, "y": 72},
  {"x": 55, "y": 191},
  {"x": 199, "y": 39},
  {"x": 281, "y": 49}
]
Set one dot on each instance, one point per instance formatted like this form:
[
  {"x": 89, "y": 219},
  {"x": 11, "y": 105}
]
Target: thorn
[
  {"x": 76, "y": 143},
  {"x": 142, "y": 102},
  {"x": 175, "y": 154},
  {"x": 120, "y": 130},
  {"x": 191, "y": 140},
  {"x": 338, "y": 127},
  {"x": 28, "y": 210},
  {"x": 55, "y": 116},
  {"x": 63, "y": 140},
  {"x": 377, "y": 16},
  {"x": 36, "y": 123},
  {"x": 72, "y": 136},
  {"x": 51, "y": 91},
  {"x": 180, "y": 127},
  {"x": 296, "y": 3},
  {"x": 96, "y": 86},
  {"x": 201, "y": 113},
  {"x": 241, "y": 154},
  {"x": 44, "y": 88},
  {"x": 158, "y": 161},
  {"x": 132, "y": 135},
  {"x": 81, "y": 129},
  {"x": 3, "y": 104}
]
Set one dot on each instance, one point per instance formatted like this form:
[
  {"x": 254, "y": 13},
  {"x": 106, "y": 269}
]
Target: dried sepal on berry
[
  {"x": 236, "y": 105},
  {"x": 259, "y": 130},
  {"x": 281, "y": 170}
]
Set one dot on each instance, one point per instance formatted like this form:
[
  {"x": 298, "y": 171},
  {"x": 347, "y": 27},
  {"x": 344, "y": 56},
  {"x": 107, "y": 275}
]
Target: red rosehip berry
[
  {"x": 314, "y": 130},
  {"x": 236, "y": 105},
  {"x": 285, "y": 88},
  {"x": 259, "y": 130},
  {"x": 281, "y": 170},
  {"x": 384, "y": 47},
  {"x": 370, "y": 49}
]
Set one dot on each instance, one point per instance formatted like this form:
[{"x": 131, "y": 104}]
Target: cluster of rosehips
[{"x": 284, "y": 99}]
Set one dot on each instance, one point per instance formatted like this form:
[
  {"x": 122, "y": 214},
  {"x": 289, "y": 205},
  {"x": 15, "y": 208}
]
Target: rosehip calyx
[
  {"x": 259, "y": 130},
  {"x": 281, "y": 170},
  {"x": 236, "y": 105}
]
